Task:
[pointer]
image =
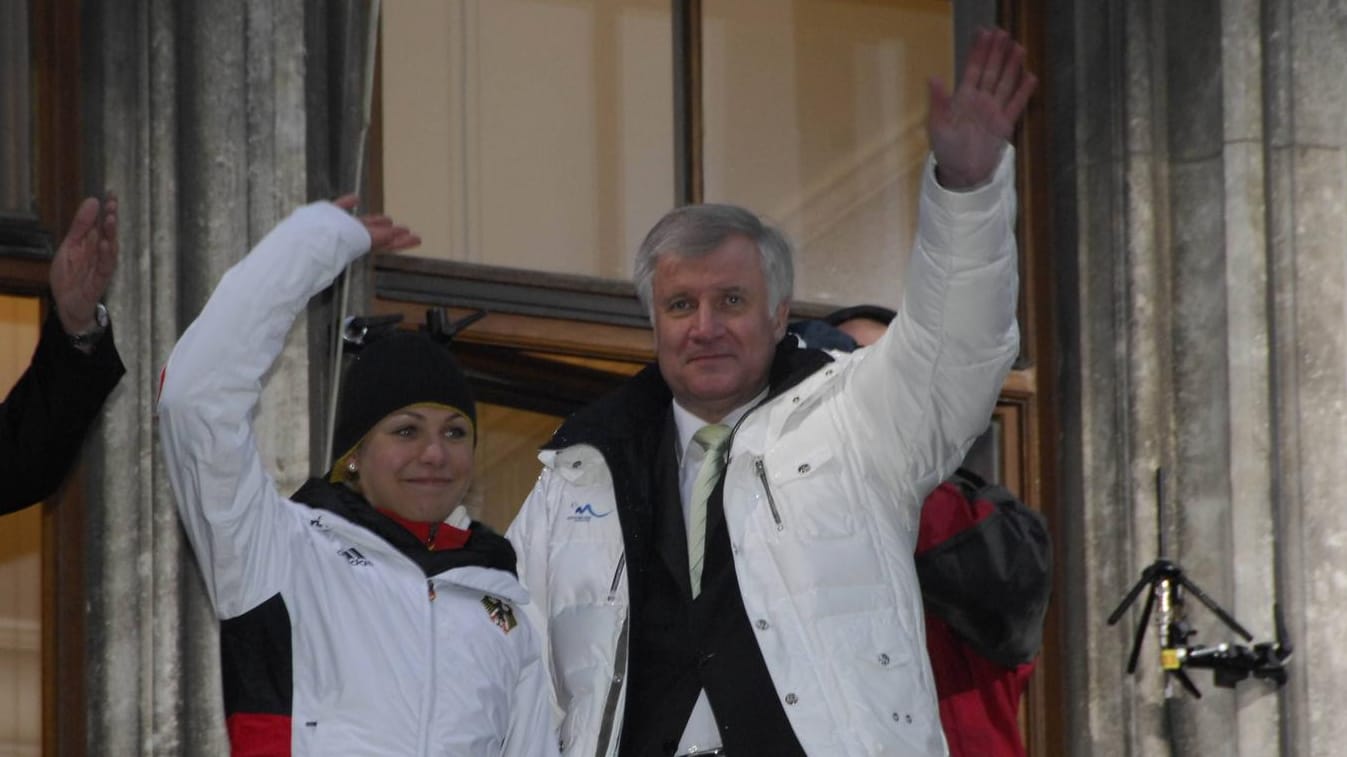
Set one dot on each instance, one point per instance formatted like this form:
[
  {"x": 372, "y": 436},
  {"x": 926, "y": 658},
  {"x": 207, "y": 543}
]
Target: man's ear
[
  {"x": 654, "y": 331},
  {"x": 780, "y": 319}
]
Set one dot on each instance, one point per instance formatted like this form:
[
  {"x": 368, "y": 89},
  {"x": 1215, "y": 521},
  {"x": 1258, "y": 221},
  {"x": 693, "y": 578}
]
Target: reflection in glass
[
  {"x": 815, "y": 117},
  {"x": 985, "y": 456},
  {"x": 534, "y": 134},
  {"x": 21, "y": 630},
  {"x": 16, "y": 185}
]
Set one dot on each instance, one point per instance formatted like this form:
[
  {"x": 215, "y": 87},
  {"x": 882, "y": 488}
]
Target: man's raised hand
[{"x": 969, "y": 129}]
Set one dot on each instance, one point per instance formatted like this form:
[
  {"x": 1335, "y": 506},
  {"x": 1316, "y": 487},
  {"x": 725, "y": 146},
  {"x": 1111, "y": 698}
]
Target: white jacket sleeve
[
  {"x": 533, "y": 726},
  {"x": 528, "y": 534},
  {"x": 235, "y": 519},
  {"x": 927, "y": 388},
  {"x": 536, "y": 702}
]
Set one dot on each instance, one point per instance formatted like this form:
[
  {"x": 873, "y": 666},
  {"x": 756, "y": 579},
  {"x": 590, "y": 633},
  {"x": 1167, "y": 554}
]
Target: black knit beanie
[
  {"x": 876, "y": 313},
  {"x": 404, "y": 368}
]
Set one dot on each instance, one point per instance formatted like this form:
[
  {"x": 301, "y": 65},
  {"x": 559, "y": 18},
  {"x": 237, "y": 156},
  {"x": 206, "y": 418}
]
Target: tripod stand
[
  {"x": 1229, "y": 663},
  {"x": 1167, "y": 583}
]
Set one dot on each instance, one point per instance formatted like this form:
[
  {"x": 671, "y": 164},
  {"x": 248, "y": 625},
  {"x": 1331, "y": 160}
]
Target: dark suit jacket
[{"x": 46, "y": 415}]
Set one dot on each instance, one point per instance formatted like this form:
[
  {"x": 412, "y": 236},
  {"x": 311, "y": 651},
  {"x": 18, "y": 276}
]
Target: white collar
[{"x": 689, "y": 424}]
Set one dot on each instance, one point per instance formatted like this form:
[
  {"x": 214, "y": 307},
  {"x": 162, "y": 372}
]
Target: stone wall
[
  {"x": 212, "y": 121},
  {"x": 1198, "y": 196}
]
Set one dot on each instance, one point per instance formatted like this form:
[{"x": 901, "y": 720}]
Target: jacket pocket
[
  {"x": 881, "y": 684},
  {"x": 805, "y": 493},
  {"x": 589, "y": 654}
]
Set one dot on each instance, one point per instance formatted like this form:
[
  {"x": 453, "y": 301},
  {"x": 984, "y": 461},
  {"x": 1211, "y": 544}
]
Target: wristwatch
[{"x": 86, "y": 339}]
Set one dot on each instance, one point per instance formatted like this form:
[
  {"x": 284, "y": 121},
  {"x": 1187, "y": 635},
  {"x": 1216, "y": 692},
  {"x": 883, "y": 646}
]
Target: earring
[{"x": 350, "y": 467}]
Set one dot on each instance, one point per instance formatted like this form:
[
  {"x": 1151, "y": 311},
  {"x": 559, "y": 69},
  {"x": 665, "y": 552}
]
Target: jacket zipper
[
  {"x": 771, "y": 501},
  {"x": 617, "y": 577},
  {"x": 430, "y": 695},
  {"x": 606, "y": 725}
]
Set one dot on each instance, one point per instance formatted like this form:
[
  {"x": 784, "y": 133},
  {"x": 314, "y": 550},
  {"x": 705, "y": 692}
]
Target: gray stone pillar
[
  {"x": 1307, "y": 239},
  {"x": 195, "y": 116},
  {"x": 1203, "y": 208}
]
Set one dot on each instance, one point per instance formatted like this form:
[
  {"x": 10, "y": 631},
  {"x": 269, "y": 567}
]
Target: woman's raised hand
[{"x": 384, "y": 234}]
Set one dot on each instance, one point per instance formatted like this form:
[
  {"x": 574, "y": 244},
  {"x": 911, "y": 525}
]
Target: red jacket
[{"x": 985, "y": 567}]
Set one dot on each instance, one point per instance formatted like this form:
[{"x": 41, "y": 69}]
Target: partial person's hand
[
  {"x": 384, "y": 234},
  {"x": 84, "y": 264},
  {"x": 968, "y": 130}
]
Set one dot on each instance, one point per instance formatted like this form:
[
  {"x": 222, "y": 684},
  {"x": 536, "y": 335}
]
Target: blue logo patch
[{"x": 585, "y": 513}]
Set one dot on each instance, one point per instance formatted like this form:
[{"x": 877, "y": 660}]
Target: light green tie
[{"x": 710, "y": 438}]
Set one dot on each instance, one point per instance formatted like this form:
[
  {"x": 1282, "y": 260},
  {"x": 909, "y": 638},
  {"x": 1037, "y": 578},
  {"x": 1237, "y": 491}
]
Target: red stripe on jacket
[{"x": 254, "y": 734}]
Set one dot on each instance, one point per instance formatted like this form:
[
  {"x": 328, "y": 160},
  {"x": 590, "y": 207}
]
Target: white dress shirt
[{"x": 701, "y": 733}]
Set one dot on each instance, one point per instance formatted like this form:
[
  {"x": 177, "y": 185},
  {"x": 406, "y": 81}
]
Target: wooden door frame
[
  {"x": 525, "y": 345},
  {"x": 24, "y": 263},
  {"x": 1046, "y": 697}
]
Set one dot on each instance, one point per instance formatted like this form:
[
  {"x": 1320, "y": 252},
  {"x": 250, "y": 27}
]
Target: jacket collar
[
  {"x": 635, "y": 412},
  {"x": 627, "y": 427},
  {"x": 484, "y": 547}
]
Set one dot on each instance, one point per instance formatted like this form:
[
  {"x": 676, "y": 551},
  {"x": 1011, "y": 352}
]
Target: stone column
[
  {"x": 195, "y": 116},
  {"x": 1306, "y": 114},
  {"x": 1202, "y": 203}
]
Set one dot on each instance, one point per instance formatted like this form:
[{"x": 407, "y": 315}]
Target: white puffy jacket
[
  {"x": 822, "y": 499},
  {"x": 388, "y": 651}
]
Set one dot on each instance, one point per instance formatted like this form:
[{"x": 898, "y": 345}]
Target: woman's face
[{"x": 417, "y": 462}]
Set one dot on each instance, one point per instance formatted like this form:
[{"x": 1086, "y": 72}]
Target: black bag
[{"x": 991, "y": 582}]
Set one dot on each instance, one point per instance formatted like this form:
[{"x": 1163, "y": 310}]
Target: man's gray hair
[{"x": 695, "y": 230}]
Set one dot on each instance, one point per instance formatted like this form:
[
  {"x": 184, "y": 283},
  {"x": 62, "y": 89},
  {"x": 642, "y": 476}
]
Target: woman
[{"x": 367, "y": 614}]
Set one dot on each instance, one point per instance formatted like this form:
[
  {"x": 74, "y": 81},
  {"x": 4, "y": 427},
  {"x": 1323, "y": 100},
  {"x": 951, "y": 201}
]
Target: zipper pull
[
  {"x": 430, "y": 588},
  {"x": 767, "y": 489}
]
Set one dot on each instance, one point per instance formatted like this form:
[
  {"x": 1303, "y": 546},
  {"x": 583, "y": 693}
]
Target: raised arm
[
  {"x": 84, "y": 264},
  {"x": 929, "y": 384},
  {"x": 969, "y": 129},
  {"x": 211, "y": 384},
  {"x": 47, "y": 413}
]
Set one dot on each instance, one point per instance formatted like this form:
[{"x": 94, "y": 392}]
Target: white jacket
[
  {"x": 386, "y": 655},
  {"x": 822, "y": 499}
]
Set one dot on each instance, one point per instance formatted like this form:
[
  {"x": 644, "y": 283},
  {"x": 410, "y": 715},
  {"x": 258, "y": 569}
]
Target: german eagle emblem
[{"x": 500, "y": 613}]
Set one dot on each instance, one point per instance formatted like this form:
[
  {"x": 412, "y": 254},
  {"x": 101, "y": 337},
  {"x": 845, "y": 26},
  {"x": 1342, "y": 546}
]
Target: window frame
[
  {"x": 26, "y": 248},
  {"x": 540, "y": 321}
]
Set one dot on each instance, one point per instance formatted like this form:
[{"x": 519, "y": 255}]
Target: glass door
[{"x": 21, "y": 631}]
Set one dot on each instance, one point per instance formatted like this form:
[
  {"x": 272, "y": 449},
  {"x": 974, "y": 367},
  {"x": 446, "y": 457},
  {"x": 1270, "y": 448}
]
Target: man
[
  {"x": 779, "y": 613},
  {"x": 75, "y": 366},
  {"x": 985, "y": 592}
]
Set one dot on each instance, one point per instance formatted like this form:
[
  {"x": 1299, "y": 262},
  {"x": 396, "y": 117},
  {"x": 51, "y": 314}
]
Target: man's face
[
  {"x": 865, "y": 331},
  {"x": 714, "y": 333}
]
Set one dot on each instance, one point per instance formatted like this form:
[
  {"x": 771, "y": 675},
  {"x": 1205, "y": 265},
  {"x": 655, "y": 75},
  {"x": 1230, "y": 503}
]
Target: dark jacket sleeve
[{"x": 46, "y": 415}]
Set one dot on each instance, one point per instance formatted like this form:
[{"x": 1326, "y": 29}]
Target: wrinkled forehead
[{"x": 736, "y": 261}]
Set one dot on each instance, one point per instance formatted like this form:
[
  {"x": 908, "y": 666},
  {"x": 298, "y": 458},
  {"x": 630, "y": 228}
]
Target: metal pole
[{"x": 343, "y": 281}]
